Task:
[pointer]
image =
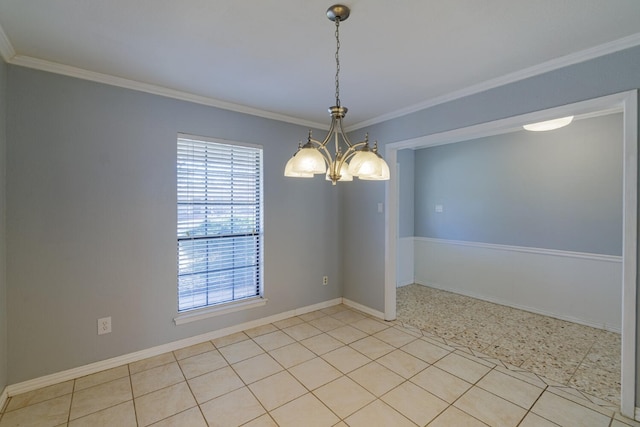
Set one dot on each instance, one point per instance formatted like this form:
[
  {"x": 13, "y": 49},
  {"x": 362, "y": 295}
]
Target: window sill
[{"x": 219, "y": 310}]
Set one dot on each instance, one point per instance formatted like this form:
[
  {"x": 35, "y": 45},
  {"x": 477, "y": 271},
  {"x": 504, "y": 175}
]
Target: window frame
[{"x": 227, "y": 306}]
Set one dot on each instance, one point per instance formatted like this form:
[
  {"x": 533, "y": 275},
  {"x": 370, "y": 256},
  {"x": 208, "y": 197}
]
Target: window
[{"x": 219, "y": 222}]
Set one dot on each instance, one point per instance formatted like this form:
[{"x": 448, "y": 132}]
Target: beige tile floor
[
  {"x": 585, "y": 358},
  {"x": 332, "y": 367}
]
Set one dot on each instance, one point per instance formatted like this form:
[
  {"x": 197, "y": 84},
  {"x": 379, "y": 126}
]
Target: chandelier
[{"x": 348, "y": 159}]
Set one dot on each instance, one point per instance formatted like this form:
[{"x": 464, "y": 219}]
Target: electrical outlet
[
  {"x": 325, "y": 280},
  {"x": 104, "y": 325}
]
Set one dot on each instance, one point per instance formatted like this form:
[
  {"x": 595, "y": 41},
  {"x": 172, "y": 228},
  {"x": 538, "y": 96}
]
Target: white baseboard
[
  {"x": 521, "y": 307},
  {"x": 523, "y": 249},
  {"x": 3, "y": 398},
  {"x": 577, "y": 287},
  {"x": 405, "y": 283},
  {"x": 313, "y": 307},
  {"x": 92, "y": 368},
  {"x": 363, "y": 308}
]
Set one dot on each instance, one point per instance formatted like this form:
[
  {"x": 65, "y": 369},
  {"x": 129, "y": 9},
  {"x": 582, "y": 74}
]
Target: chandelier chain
[{"x": 337, "y": 61}]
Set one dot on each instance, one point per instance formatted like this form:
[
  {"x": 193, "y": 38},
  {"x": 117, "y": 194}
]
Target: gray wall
[
  {"x": 3, "y": 281},
  {"x": 363, "y": 249},
  {"x": 605, "y": 75},
  {"x": 91, "y": 220},
  {"x": 609, "y": 74},
  {"x": 555, "y": 190},
  {"x": 406, "y": 204}
]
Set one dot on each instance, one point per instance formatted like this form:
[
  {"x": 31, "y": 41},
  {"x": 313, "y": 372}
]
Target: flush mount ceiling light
[
  {"x": 348, "y": 159},
  {"x": 549, "y": 124}
]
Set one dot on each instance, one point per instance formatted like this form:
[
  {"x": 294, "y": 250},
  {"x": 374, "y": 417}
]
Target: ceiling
[{"x": 275, "y": 58}]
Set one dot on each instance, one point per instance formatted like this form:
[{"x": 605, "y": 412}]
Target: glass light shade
[
  {"x": 288, "y": 170},
  {"x": 344, "y": 173},
  {"x": 549, "y": 124},
  {"x": 308, "y": 160},
  {"x": 365, "y": 163},
  {"x": 384, "y": 175}
]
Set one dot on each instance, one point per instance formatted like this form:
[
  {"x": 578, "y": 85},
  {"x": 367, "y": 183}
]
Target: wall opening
[{"x": 627, "y": 103}]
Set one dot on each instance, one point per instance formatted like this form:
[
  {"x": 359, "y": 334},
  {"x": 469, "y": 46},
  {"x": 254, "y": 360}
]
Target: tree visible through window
[{"x": 219, "y": 222}]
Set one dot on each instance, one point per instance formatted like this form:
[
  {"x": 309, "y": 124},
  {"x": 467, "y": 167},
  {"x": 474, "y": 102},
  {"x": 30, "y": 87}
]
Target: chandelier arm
[
  {"x": 344, "y": 134},
  {"x": 315, "y": 141},
  {"x": 358, "y": 145},
  {"x": 353, "y": 149},
  {"x": 330, "y": 132},
  {"x": 320, "y": 145},
  {"x": 349, "y": 154},
  {"x": 326, "y": 155},
  {"x": 343, "y": 159}
]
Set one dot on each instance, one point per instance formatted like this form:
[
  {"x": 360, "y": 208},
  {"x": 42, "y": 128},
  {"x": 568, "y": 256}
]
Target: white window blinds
[{"x": 219, "y": 222}]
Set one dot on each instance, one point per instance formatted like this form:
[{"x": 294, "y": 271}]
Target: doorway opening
[{"x": 627, "y": 103}]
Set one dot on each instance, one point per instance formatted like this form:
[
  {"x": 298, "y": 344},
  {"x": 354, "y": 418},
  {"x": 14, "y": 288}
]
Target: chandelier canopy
[{"x": 347, "y": 159}]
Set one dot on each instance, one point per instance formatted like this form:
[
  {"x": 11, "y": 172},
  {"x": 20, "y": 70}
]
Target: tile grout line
[
  {"x": 73, "y": 392},
  {"x": 475, "y": 384},
  {"x": 267, "y": 412},
  {"x": 579, "y": 364},
  {"x": 133, "y": 399},
  {"x": 534, "y": 404},
  {"x": 177, "y": 362}
]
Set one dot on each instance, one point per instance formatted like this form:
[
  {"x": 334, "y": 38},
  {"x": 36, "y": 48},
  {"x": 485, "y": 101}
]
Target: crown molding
[
  {"x": 545, "y": 67},
  {"x": 9, "y": 55},
  {"x": 6, "y": 49},
  {"x": 43, "y": 65}
]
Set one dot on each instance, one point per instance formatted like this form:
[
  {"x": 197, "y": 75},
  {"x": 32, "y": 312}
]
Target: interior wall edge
[
  {"x": 4, "y": 370},
  {"x": 4, "y": 396}
]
